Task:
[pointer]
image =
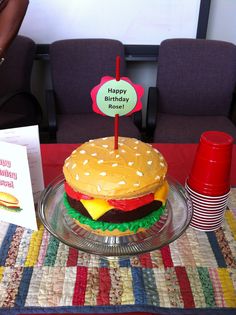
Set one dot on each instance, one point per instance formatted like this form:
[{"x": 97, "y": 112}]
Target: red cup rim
[
  {"x": 213, "y": 191},
  {"x": 212, "y": 206},
  {"x": 206, "y": 224},
  {"x": 207, "y": 220},
  {"x": 203, "y": 229},
  {"x": 200, "y": 226},
  {"x": 207, "y": 227},
  {"x": 202, "y": 218},
  {"x": 199, "y": 207},
  {"x": 200, "y": 215},
  {"x": 208, "y": 204},
  {"x": 205, "y": 196}
]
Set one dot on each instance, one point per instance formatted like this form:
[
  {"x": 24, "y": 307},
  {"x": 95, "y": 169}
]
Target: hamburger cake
[{"x": 115, "y": 192}]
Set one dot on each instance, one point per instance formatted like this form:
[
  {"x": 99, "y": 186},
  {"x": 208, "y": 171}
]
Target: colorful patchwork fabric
[{"x": 197, "y": 272}]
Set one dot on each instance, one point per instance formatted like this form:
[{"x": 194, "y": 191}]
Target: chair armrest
[
  {"x": 233, "y": 108},
  {"x": 137, "y": 119},
  {"x": 151, "y": 113},
  {"x": 51, "y": 111}
]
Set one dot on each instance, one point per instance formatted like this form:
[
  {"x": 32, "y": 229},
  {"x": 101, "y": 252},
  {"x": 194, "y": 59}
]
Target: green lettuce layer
[
  {"x": 145, "y": 222},
  {"x": 2, "y": 207}
]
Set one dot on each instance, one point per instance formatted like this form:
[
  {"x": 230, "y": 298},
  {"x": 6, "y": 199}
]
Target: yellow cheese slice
[
  {"x": 97, "y": 207},
  {"x": 162, "y": 192},
  {"x": 9, "y": 204}
]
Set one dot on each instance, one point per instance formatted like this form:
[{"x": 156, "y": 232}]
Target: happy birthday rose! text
[{"x": 116, "y": 98}]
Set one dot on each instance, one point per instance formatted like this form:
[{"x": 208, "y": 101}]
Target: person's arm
[{"x": 11, "y": 17}]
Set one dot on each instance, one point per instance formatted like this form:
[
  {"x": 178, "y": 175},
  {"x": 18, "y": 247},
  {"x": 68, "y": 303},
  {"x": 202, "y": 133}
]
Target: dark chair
[
  {"x": 18, "y": 106},
  {"x": 194, "y": 91},
  {"x": 77, "y": 65}
]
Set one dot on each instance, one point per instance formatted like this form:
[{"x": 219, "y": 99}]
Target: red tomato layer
[
  {"x": 75, "y": 194},
  {"x": 121, "y": 204},
  {"x": 131, "y": 204}
]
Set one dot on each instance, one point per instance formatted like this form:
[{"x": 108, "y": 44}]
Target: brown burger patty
[{"x": 116, "y": 215}]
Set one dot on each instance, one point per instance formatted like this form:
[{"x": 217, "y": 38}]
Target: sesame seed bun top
[
  {"x": 6, "y": 197},
  {"x": 97, "y": 170}
]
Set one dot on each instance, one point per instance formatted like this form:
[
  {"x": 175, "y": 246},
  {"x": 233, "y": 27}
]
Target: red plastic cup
[{"x": 210, "y": 174}]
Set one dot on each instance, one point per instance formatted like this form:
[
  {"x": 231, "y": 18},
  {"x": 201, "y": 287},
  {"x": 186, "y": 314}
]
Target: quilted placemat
[{"x": 197, "y": 271}]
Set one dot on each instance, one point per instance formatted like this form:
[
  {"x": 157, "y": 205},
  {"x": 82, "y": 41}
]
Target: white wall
[
  {"x": 222, "y": 20},
  {"x": 130, "y": 21}
]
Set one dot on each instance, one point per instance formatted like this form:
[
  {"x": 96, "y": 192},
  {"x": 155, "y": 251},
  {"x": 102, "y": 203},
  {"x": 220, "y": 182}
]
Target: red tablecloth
[{"x": 179, "y": 157}]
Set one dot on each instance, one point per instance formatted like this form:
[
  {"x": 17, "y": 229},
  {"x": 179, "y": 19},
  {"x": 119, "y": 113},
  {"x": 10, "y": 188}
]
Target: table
[{"x": 196, "y": 274}]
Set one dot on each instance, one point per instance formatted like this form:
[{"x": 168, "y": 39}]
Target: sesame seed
[
  {"x": 161, "y": 158},
  {"x": 100, "y": 161},
  {"x": 94, "y": 154},
  {"x": 137, "y": 154},
  {"x": 130, "y": 163},
  {"x": 74, "y": 165},
  {"x": 122, "y": 182},
  {"x": 85, "y": 162},
  {"x": 136, "y": 185},
  {"x": 135, "y": 148},
  {"x": 157, "y": 177},
  {"x": 99, "y": 188},
  {"x": 139, "y": 173},
  {"x": 149, "y": 162},
  {"x": 162, "y": 164},
  {"x": 82, "y": 152},
  {"x": 148, "y": 152},
  {"x": 123, "y": 151},
  {"x": 67, "y": 164},
  {"x": 74, "y": 152},
  {"x": 91, "y": 140},
  {"x": 136, "y": 142},
  {"x": 105, "y": 145},
  {"x": 117, "y": 156},
  {"x": 86, "y": 173},
  {"x": 105, "y": 138},
  {"x": 114, "y": 164},
  {"x": 77, "y": 177},
  {"x": 103, "y": 174}
]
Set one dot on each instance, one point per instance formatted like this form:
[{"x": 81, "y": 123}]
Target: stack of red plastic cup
[{"x": 208, "y": 184}]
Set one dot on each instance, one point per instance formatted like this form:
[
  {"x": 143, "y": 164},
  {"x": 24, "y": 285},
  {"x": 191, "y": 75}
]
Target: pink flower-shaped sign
[{"x": 116, "y": 97}]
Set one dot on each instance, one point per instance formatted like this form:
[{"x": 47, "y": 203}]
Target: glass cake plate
[{"x": 171, "y": 225}]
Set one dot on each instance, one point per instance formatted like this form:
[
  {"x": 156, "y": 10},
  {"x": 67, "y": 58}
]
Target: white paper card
[
  {"x": 16, "y": 197},
  {"x": 29, "y": 137}
]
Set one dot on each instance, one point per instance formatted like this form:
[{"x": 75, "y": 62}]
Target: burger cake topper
[{"x": 116, "y": 97}]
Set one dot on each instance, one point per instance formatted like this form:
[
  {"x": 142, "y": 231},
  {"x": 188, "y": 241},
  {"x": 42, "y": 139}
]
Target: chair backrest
[
  {"x": 15, "y": 72},
  {"x": 196, "y": 76},
  {"x": 77, "y": 65}
]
